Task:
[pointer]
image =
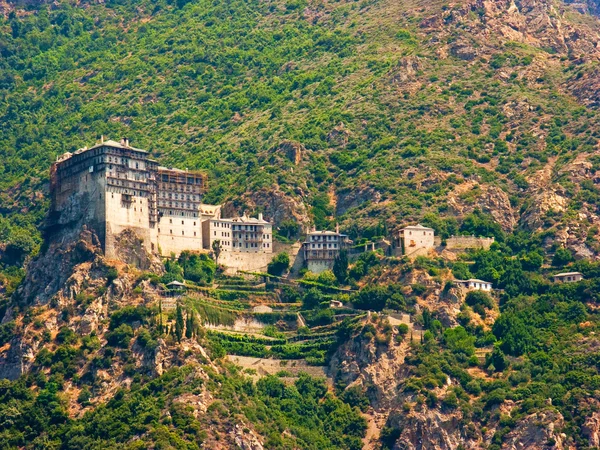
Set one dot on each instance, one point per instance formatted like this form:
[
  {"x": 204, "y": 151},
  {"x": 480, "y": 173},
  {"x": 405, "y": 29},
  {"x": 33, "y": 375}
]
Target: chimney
[
  {"x": 102, "y": 139},
  {"x": 337, "y": 227},
  {"x": 260, "y": 216}
]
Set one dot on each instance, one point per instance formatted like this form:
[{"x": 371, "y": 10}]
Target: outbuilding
[
  {"x": 474, "y": 284},
  {"x": 568, "y": 277}
]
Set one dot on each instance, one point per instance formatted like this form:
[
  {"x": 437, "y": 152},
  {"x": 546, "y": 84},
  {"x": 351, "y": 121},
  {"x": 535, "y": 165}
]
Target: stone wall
[
  {"x": 319, "y": 265},
  {"x": 464, "y": 242},
  {"x": 257, "y": 262}
]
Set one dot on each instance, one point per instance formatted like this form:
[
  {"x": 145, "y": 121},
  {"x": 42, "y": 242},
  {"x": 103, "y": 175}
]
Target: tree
[
  {"x": 120, "y": 336},
  {"x": 279, "y": 264},
  {"x": 20, "y": 244},
  {"x": 459, "y": 341},
  {"x": 216, "y": 249},
  {"x": 562, "y": 257},
  {"x": 198, "y": 268},
  {"x": 189, "y": 325},
  {"x": 179, "y": 323},
  {"x": 515, "y": 336},
  {"x": 327, "y": 278},
  {"x": 532, "y": 261},
  {"x": 340, "y": 267},
  {"x": 497, "y": 359},
  {"x": 479, "y": 298},
  {"x": 480, "y": 224},
  {"x": 160, "y": 318},
  {"x": 312, "y": 299},
  {"x": 289, "y": 228},
  {"x": 371, "y": 298}
]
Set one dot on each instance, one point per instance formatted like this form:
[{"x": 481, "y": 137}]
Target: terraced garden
[{"x": 250, "y": 316}]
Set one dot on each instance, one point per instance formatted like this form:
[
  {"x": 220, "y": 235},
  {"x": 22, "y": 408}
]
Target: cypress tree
[
  {"x": 340, "y": 267},
  {"x": 179, "y": 323},
  {"x": 189, "y": 324}
]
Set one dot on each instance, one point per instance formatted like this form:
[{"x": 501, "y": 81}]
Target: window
[
  {"x": 171, "y": 231},
  {"x": 194, "y": 233},
  {"x": 182, "y": 222},
  {"x": 170, "y": 220},
  {"x": 182, "y": 232}
]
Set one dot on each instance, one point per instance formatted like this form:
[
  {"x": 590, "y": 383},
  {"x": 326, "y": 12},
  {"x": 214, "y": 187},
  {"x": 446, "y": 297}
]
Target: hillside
[
  {"x": 375, "y": 111},
  {"x": 472, "y": 117}
]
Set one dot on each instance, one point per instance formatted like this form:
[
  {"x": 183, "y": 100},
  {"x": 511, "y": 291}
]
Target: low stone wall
[{"x": 464, "y": 242}]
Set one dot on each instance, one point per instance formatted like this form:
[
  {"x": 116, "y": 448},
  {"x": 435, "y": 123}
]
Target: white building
[
  {"x": 321, "y": 248},
  {"x": 474, "y": 284},
  {"x": 239, "y": 234},
  {"x": 417, "y": 240},
  {"x": 568, "y": 277}
]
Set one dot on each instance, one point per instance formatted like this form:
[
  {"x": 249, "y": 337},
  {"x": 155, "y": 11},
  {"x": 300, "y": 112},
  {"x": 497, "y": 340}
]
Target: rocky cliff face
[{"x": 382, "y": 373}]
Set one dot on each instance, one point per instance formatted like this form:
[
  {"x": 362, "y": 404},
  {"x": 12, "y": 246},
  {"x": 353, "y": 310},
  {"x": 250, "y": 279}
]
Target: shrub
[
  {"x": 479, "y": 298},
  {"x": 279, "y": 264},
  {"x": 121, "y": 336}
]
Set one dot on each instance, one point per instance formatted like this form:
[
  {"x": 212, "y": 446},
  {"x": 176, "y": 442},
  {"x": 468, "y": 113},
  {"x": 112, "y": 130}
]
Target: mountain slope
[{"x": 393, "y": 104}]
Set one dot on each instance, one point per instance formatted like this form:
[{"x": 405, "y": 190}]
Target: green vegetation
[
  {"x": 541, "y": 343},
  {"x": 361, "y": 90},
  {"x": 148, "y": 415},
  {"x": 279, "y": 265},
  {"x": 219, "y": 87}
]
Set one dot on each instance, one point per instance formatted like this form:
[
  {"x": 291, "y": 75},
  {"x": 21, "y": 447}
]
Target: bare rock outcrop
[
  {"x": 352, "y": 198},
  {"x": 536, "y": 430},
  {"x": 492, "y": 200},
  {"x": 276, "y": 204},
  {"x": 432, "y": 429},
  {"x": 49, "y": 272},
  {"x": 294, "y": 151},
  {"x": 129, "y": 249},
  {"x": 245, "y": 438},
  {"x": 379, "y": 368},
  {"x": 339, "y": 135},
  {"x": 585, "y": 85}
]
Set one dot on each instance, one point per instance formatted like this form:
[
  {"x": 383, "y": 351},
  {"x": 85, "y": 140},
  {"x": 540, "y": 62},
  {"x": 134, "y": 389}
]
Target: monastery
[{"x": 119, "y": 187}]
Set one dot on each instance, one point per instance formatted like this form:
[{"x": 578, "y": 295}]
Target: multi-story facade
[
  {"x": 239, "y": 234},
  {"x": 321, "y": 248},
  {"x": 113, "y": 186},
  {"x": 179, "y": 201},
  {"x": 417, "y": 240}
]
